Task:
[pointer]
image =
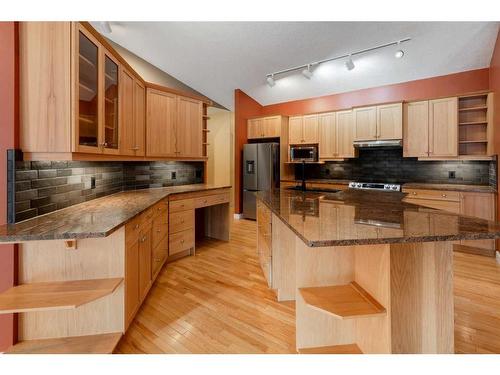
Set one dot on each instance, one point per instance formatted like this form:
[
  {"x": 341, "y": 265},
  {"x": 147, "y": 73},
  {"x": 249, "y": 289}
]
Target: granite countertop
[
  {"x": 353, "y": 217},
  {"x": 414, "y": 185},
  {"x": 93, "y": 219}
]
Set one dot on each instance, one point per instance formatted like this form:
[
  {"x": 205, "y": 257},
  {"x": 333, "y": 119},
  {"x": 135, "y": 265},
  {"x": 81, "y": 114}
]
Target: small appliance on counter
[{"x": 261, "y": 171}]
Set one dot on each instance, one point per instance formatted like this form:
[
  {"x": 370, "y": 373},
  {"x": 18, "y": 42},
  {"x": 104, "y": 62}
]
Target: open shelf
[
  {"x": 57, "y": 295},
  {"x": 474, "y": 126},
  {"x": 334, "y": 349},
  {"x": 473, "y": 123},
  {"x": 92, "y": 344},
  {"x": 478, "y": 141},
  {"x": 473, "y": 108},
  {"x": 342, "y": 301}
]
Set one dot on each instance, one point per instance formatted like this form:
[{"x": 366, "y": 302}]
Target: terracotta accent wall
[
  {"x": 448, "y": 85},
  {"x": 495, "y": 87},
  {"x": 244, "y": 107},
  {"x": 8, "y": 139}
]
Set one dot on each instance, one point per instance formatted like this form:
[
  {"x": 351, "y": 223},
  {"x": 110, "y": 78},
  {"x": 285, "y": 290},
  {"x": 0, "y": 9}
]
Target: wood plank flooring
[{"x": 218, "y": 302}]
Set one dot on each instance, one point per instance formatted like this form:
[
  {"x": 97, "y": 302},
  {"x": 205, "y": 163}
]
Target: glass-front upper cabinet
[
  {"x": 88, "y": 93},
  {"x": 111, "y": 127}
]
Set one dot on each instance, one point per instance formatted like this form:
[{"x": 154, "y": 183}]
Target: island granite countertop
[
  {"x": 353, "y": 217},
  {"x": 93, "y": 219}
]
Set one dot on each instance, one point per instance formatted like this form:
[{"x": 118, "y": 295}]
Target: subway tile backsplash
[
  {"x": 40, "y": 187},
  {"x": 388, "y": 165}
]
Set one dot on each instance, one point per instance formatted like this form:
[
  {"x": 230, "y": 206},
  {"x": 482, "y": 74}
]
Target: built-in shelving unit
[
  {"x": 342, "y": 301},
  {"x": 58, "y": 295},
  {"x": 92, "y": 344},
  {"x": 334, "y": 349},
  {"x": 475, "y": 125}
]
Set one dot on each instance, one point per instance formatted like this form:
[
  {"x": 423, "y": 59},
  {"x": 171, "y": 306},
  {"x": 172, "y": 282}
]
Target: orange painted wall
[
  {"x": 9, "y": 117},
  {"x": 448, "y": 85},
  {"x": 244, "y": 107},
  {"x": 495, "y": 87}
]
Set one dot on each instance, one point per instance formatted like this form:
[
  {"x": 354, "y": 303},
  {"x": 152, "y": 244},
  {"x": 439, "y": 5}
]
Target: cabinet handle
[
  {"x": 414, "y": 193},
  {"x": 158, "y": 230},
  {"x": 158, "y": 208},
  {"x": 443, "y": 195},
  {"x": 182, "y": 241},
  {"x": 136, "y": 226},
  {"x": 143, "y": 239}
]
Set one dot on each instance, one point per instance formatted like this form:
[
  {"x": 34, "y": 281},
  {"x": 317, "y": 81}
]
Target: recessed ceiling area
[{"x": 215, "y": 58}]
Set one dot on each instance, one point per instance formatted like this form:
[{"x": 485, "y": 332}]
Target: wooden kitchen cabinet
[
  {"x": 161, "y": 118},
  {"x": 303, "y": 129},
  {"x": 295, "y": 130},
  {"x": 145, "y": 260},
  {"x": 443, "y": 127},
  {"x": 132, "y": 295},
  {"x": 482, "y": 205},
  {"x": 416, "y": 129},
  {"x": 264, "y": 127},
  {"x": 133, "y": 114},
  {"x": 189, "y": 128},
  {"x": 328, "y": 141},
  {"x": 365, "y": 123},
  {"x": 383, "y": 122},
  {"x": 345, "y": 134},
  {"x": 431, "y": 129}
]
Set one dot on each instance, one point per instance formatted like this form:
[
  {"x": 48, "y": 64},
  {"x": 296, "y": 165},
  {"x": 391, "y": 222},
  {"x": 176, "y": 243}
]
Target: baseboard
[{"x": 238, "y": 216}]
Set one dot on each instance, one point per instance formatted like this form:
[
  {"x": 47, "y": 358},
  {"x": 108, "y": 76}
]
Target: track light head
[
  {"x": 106, "y": 27},
  {"x": 349, "y": 64},
  {"x": 270, "y": 80},
  {"x": 307, "y": 72},
  {"x": 399, "y": 54}
]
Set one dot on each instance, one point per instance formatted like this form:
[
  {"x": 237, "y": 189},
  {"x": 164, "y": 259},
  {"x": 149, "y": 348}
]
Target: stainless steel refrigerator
[{"x": 261, "y": 171}]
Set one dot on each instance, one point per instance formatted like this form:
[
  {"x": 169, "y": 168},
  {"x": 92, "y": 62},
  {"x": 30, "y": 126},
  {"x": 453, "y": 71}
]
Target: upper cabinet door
[
  {"x": 328, "y": 148},
  {"x": 88, "y": 99},
  {"x": 161, "y": 118},
  {"x": 189, "y": 129},
  {"x": 345, "y": 134},
  {"x": 390, "y": 121},
  {"x": 416, "y": 129},
  {"x": 139, "y": 117},
  {"x": 271, "y": 127},
  {"x": 365, "y": 123},
  {"x": 295, "y": 130},
  {"x": 254, "y": 128},
  {"x": 127, "y": 140},
  {"x": 111, "y": 132},
  {"x": 311, "y": 129},
  {"x": 443, "y": 127}
]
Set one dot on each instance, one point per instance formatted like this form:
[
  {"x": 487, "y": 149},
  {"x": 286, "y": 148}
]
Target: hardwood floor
[{"x": 218, "y": 302}]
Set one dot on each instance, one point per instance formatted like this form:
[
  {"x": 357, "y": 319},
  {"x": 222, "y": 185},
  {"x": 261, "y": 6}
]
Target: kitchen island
[
  {"x": 369, "y": 272},
  {"x": 85, "y": 270}
]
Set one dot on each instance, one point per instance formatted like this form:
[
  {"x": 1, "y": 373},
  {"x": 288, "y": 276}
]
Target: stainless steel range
[{"x": 374, "y": 186}]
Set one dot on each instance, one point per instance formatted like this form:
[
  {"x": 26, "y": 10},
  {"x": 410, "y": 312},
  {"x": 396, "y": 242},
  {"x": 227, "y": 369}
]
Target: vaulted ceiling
[{"x": 217, "y": 57}]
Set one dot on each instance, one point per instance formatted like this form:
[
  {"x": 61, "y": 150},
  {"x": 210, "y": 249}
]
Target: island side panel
[
  {"x": 283, "y": 260},
  {"x": 322, "y": 266},
  {"x": 42, "y": 261},
  {"x": 372, "y": 273},
  {"x": 422, "y": 297}
]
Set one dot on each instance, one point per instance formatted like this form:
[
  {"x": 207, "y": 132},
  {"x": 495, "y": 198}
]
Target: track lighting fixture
[
  {"x": 307, "y": 72},
  {"x": 106, "y": 27},
  {"x": 349, "y": 64},
  {"x": 270, "y": 80}
]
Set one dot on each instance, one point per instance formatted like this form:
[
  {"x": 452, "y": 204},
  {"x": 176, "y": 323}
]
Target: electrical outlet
[
  {"x": 92, "y": 182},
  {"x": 451, "y": 174},
  {"x": 174, "y": 175}
]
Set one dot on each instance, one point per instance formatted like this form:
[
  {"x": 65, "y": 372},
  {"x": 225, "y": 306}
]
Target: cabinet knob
[
  {"x": 135, "y": 148},
  {"x": 159, "y": 208},
  {"x": 443, "y": 195},
  {"x": 182, "y": 241},
  {"x": 136, "y": 226},
  {"x": 158, "y": 230},
  {"x": 414, "y": 193}
]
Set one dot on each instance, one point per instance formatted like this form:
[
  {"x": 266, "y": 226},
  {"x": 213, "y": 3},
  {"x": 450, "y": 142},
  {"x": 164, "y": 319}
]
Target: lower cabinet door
[
  {"x": 132, "y": 297},
  {"x": 159, "y": 256},
  {"x": 144, "y": 261}
]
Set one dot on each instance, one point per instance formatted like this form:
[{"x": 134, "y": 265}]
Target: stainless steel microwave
[{"x": 304, "y": 153}]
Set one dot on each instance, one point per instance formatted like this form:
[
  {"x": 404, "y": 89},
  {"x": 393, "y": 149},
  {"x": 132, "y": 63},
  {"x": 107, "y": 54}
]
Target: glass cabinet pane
[
  {"x": 88, "y": 92},
  {"x": 110, "y": 103}
]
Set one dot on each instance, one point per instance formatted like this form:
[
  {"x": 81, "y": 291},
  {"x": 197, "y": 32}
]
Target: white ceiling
[{"x": 217, "y": 57}]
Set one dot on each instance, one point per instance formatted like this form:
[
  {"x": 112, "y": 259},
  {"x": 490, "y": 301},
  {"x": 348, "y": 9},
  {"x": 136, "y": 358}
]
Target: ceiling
[{"x": 215, "y": 58}]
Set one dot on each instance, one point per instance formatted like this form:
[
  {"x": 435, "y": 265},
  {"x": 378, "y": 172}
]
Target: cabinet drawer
[
  {"x": 179, "y": 221},
  {"x": 159, "y": 256},
  {"x": 180, "y": 241},
  {"x": 160, "y": 230},
  {"x": 433, "y": 194},
  {"x": 161, "y": 208},
  {"x": 182, "y": 205},
  {"x": 211, "y": 200}
]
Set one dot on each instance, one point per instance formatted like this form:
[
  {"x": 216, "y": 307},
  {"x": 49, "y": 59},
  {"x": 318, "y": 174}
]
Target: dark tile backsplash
[
  {"x": 40, "y": 187},
  {"x": 388, "y": 165}
]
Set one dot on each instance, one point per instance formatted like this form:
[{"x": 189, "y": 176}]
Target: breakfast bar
[{"x": 369, "y": 272}]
